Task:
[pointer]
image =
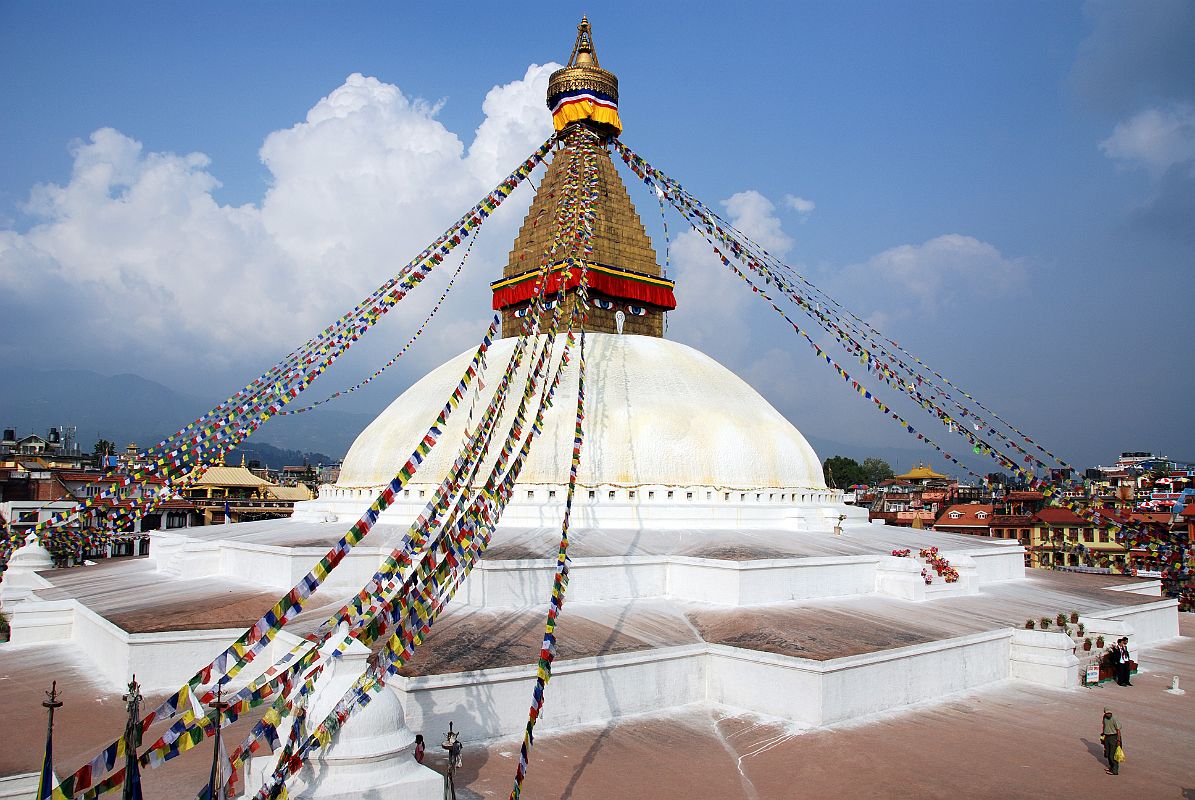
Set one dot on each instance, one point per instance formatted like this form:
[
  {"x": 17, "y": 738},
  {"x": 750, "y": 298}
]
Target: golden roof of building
[
  {"x": 230, "y": 476},
  {"x": 921, "y": 473},
  {"x": 295, "y": 493}
]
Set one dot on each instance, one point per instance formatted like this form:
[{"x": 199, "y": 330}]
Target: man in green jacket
[{"x": 1110, "y": 736}]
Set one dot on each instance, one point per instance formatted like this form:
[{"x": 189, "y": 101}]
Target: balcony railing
[{"x": 237, "y": 502}]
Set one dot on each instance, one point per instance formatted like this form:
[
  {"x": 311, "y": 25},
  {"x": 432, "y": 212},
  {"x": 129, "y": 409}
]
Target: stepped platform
[
  {"x": 1008, "y": 740},
  {"x": 814, "y": 628}
]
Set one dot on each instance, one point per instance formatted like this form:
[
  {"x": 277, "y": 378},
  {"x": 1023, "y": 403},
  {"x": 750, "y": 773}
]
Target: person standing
[
  {"x": 1110, "y": 736},
  {"x": 419, "y": 748},
  {"x": 1123, "y": 662}
]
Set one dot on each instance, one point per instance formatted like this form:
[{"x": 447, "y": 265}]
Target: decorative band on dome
[
  {"x": 610, "y": 281},
  {"x": 584, "y": 104}
]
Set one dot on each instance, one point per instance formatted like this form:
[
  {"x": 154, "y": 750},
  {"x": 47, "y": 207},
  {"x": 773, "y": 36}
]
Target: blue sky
[{"x": 1007, "y": 189}]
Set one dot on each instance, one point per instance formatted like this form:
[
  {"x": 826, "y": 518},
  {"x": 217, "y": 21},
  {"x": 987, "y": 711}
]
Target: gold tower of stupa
[{"x": 623, "y": 273}]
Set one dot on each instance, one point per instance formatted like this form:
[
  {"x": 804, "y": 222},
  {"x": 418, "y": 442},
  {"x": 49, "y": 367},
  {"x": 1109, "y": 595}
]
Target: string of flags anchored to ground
[{"x": 396, "y": 609}]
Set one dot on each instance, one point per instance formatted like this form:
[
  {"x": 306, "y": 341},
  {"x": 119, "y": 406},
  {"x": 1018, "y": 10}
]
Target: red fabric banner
[{"x": 609, "y": 285}]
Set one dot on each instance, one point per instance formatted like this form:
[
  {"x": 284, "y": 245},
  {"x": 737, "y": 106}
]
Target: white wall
[
  {"x": 161, "y": 661},
  {"x": 866, "y": 684},
  {"x": 1151, "y": 622},
  {"x": 20, "y": 787},
  {"x": 495, "y": 702},
  {"x": 825, "y": 692}
]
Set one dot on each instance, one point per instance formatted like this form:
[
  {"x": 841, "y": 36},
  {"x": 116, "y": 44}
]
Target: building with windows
[
  {"x": 1062, "y": 539},
  {"x": 970, "y": 518}
]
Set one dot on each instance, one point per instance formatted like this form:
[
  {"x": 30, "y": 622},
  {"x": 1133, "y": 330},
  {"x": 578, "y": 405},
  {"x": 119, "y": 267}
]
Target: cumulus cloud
[
  {"x": 799, "y": 204},
  {"x": 932, "y": 274},
  {"x": 889, "y": 286},
  {"x": 714, "y": 299},
  {"x": 1161, "y": 141},
  {"x": 1156, "y": 138},
  {"x": 754, "y": 215},
  {"x": 137, "y": 259}
]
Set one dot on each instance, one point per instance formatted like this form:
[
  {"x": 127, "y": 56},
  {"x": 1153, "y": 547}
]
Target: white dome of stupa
[{"x": 657, "y": 412}]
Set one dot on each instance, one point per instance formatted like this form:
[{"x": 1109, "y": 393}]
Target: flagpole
[
  {"x": 216, "y": 778},
  {"x": 45, "y": 784},
  {"x": 132, "y": 740}
]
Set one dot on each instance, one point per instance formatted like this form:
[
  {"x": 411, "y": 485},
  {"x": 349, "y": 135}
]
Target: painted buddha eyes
[{"x": 605, "y": 305}]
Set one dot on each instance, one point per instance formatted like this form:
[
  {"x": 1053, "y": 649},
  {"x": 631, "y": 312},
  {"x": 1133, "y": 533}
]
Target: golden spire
[
  {"x": 583, "y": 52},
  {"x": 584, "y": 92},
  {"x": 627, "y": 292}
]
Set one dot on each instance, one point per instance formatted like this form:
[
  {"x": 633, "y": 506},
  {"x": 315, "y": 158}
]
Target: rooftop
[
  {"x": 921, "y": 473},
  {"x": 230, "y": 476},
  {"x": 1058, "y": 515},
  {"x": 970, "y": 515}
]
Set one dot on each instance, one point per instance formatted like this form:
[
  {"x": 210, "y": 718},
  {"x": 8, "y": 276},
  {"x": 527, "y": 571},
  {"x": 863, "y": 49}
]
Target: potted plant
[
  {"x": 1060, "y": 619},
  {"x": 1030, "y": 624},
  {"x": 1075, "y": 617},
  {"x": 1099, "y": 642},
  {"x": 1045, "y": 623},
  {"x": 1082, "y": 629},
  {"x": 1087, "y": 643}
]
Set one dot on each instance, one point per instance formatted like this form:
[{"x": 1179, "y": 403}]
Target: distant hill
[
  {"x": 277, "y": 457},
  {"x": 129, "y": 408}
]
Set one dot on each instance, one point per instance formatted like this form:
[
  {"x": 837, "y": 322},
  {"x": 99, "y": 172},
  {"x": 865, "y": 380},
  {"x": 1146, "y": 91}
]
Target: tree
[
  {"x": 842, "y": 472},
  {"x": 876, "y": 470},
  {"x": 104, "y": 448}
]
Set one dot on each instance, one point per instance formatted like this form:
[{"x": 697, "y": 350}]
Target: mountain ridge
[{"x": 128, "y": 407}]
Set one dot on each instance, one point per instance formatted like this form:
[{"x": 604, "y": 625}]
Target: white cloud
[
  {"x": 1156, "y": 138},
  {"x": 930, "y": 275},
  {"x": 799, "y": 204},
  {"x": 137, "y": 259},
  {"x": 754, "y": 215},
  {"x": 714, "y": 301}
]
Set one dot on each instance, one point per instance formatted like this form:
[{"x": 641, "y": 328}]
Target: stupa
[
  {"x": 710, "y": 563},
  {"x": 674, "y": 437}
]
